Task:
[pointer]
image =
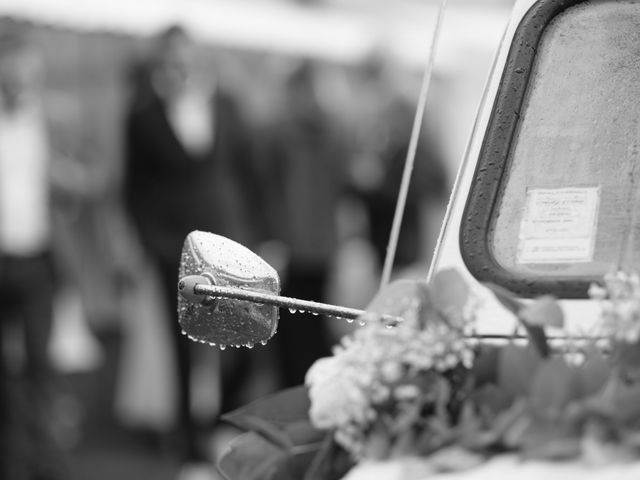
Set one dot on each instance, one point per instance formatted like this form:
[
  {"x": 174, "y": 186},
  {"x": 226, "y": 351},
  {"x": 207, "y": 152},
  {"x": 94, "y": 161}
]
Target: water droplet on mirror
[
  {"x": 212, "y": 344},
  {"x": 315, "y": 314},
  {"x": 223, "y": 347},
  {"x": 249, "y": 345},
  {"x": 293, "y": 310},
  {"x": 362, "y": 323},
  {"x": 349, "y": 320},
  {"x": 263, "y": 342},
  {"x": 227, "y": 321}
]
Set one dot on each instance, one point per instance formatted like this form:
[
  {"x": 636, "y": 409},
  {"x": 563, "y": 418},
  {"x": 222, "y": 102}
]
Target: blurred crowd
[{"x": 113, "y": 149}]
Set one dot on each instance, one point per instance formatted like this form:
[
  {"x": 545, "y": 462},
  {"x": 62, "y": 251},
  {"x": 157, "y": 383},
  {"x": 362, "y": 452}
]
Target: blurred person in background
[
  {"x": 305, "y": 160},
  {"x": 382, "y": 136},
  {"x": 36, "y": 177},
  {"x": 187, "y": 167}
]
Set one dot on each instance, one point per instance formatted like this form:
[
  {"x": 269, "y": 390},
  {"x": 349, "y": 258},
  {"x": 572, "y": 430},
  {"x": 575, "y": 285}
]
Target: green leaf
[
  {"x": 627, "y": 357},
  {"x": 485, "y": 365},
  {"x": 631, "y": 439},
  {"x": 491, "y": 401},
  {"x": 619, "y": 400},
  {"x": 549, "y": 439},
  {"x": 512, "y": 425},
  {"x": 449, "y": 290},
  {"x": 378, "y": 443},
  {"x": 516, "y": 366},
  {"x": 599, "y": 450},
  {"x": 554, "y": 385},
  {"x": 594, "y": 372},
  {"x": 471, "y": 431},
  {"x": 433, "y": 436},
  {"x": 252, "y": 457},
  {"x": 280, "y": 409},
  {"x": 298, "y": 464},
  {"x": 510, "y": 302},
  {"x": 543, "y": 312},
  {"x": 538, "y": 339},
  {"x": 281, "y": 419},
  {"x": 505, "y": 297},
  {"x": 329, "y": 463},
  {"x": 402, "y": 298},
  {"x": 303, "y": 432},
  {"x": 267, "y": 430}
]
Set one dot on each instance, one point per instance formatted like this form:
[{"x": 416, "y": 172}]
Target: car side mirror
[
  {"x": 229, "y": 296},
  {"x": 212, "y": 260}
]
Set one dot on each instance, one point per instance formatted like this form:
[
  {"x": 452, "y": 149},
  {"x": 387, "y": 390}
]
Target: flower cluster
[
  {"x": 422, "y": 397},
  {"x": 381, "y": 377},
  {"x": 620, "y": 300}
]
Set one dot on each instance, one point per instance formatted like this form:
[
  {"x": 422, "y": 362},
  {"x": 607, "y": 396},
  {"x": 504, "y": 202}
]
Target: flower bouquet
[{"x": 427, "y": 396}]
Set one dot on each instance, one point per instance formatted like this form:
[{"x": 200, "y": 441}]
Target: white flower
[
  {"x": 379, "y": 394},
  {"x": 336, "y": 400},
  {"x": 596, "y": 292},
  {"x": 322, "y": 370},
  {"x": 620, "y": 300},
  {"x": 406, "y": 392},
  {"x": 391, "y": 371},
  {"x": 368, "y": 381}
]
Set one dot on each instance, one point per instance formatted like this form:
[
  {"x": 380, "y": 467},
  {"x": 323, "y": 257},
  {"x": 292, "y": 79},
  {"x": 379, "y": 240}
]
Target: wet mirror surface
[{"x": 223, "y": 321}]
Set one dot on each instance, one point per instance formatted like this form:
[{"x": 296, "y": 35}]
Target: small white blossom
[
  {"x": 620, "y": 299},
  {"x": 406, "y": 392},
  {"x": 391, "y": 371}
]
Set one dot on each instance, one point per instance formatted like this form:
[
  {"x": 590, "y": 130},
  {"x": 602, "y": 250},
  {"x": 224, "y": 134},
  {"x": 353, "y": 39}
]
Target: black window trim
[{"x": 476, "y": 229}]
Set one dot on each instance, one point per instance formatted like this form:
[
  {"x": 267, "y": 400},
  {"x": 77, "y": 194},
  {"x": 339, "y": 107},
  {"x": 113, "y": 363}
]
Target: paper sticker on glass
[{"x": 559, "y": 225}]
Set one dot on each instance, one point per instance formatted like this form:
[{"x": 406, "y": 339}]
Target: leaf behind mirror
[
  {"x": 535, "y": 333},
  {"x": 401, "y": 298},
  {"x": 281, "y": 409},
  {"x": 543, "y": 312},
  {"x": 252, "y": 457},
  {"x": 449, "y": 290},
  {"x": 516, "y": 367}
]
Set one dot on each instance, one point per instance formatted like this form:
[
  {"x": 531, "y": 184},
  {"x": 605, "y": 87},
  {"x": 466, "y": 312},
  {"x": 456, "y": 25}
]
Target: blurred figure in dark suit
[
  {"x": 382, "y": 138},
  {"x": 187, "y": 168},
  {"x": 306, "y": 164}
]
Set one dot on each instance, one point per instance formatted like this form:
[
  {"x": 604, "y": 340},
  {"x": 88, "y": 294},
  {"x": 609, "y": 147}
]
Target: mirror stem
[{"x": 215, "y": 291}]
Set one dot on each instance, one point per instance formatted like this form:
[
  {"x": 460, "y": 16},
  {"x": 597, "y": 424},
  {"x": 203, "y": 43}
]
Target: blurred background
[{"x": 114, "y": 399}]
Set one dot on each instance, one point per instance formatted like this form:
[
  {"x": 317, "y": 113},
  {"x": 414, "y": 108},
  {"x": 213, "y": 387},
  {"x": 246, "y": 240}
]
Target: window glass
[{"x": 570, "y": 196}]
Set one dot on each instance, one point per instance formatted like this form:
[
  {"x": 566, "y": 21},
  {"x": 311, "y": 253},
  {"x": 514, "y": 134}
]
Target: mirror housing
[{"x": 216, "y": 260}]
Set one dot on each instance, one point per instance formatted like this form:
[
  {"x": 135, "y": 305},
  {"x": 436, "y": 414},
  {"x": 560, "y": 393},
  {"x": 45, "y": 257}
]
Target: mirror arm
[{"x": 197, "y": 288}]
